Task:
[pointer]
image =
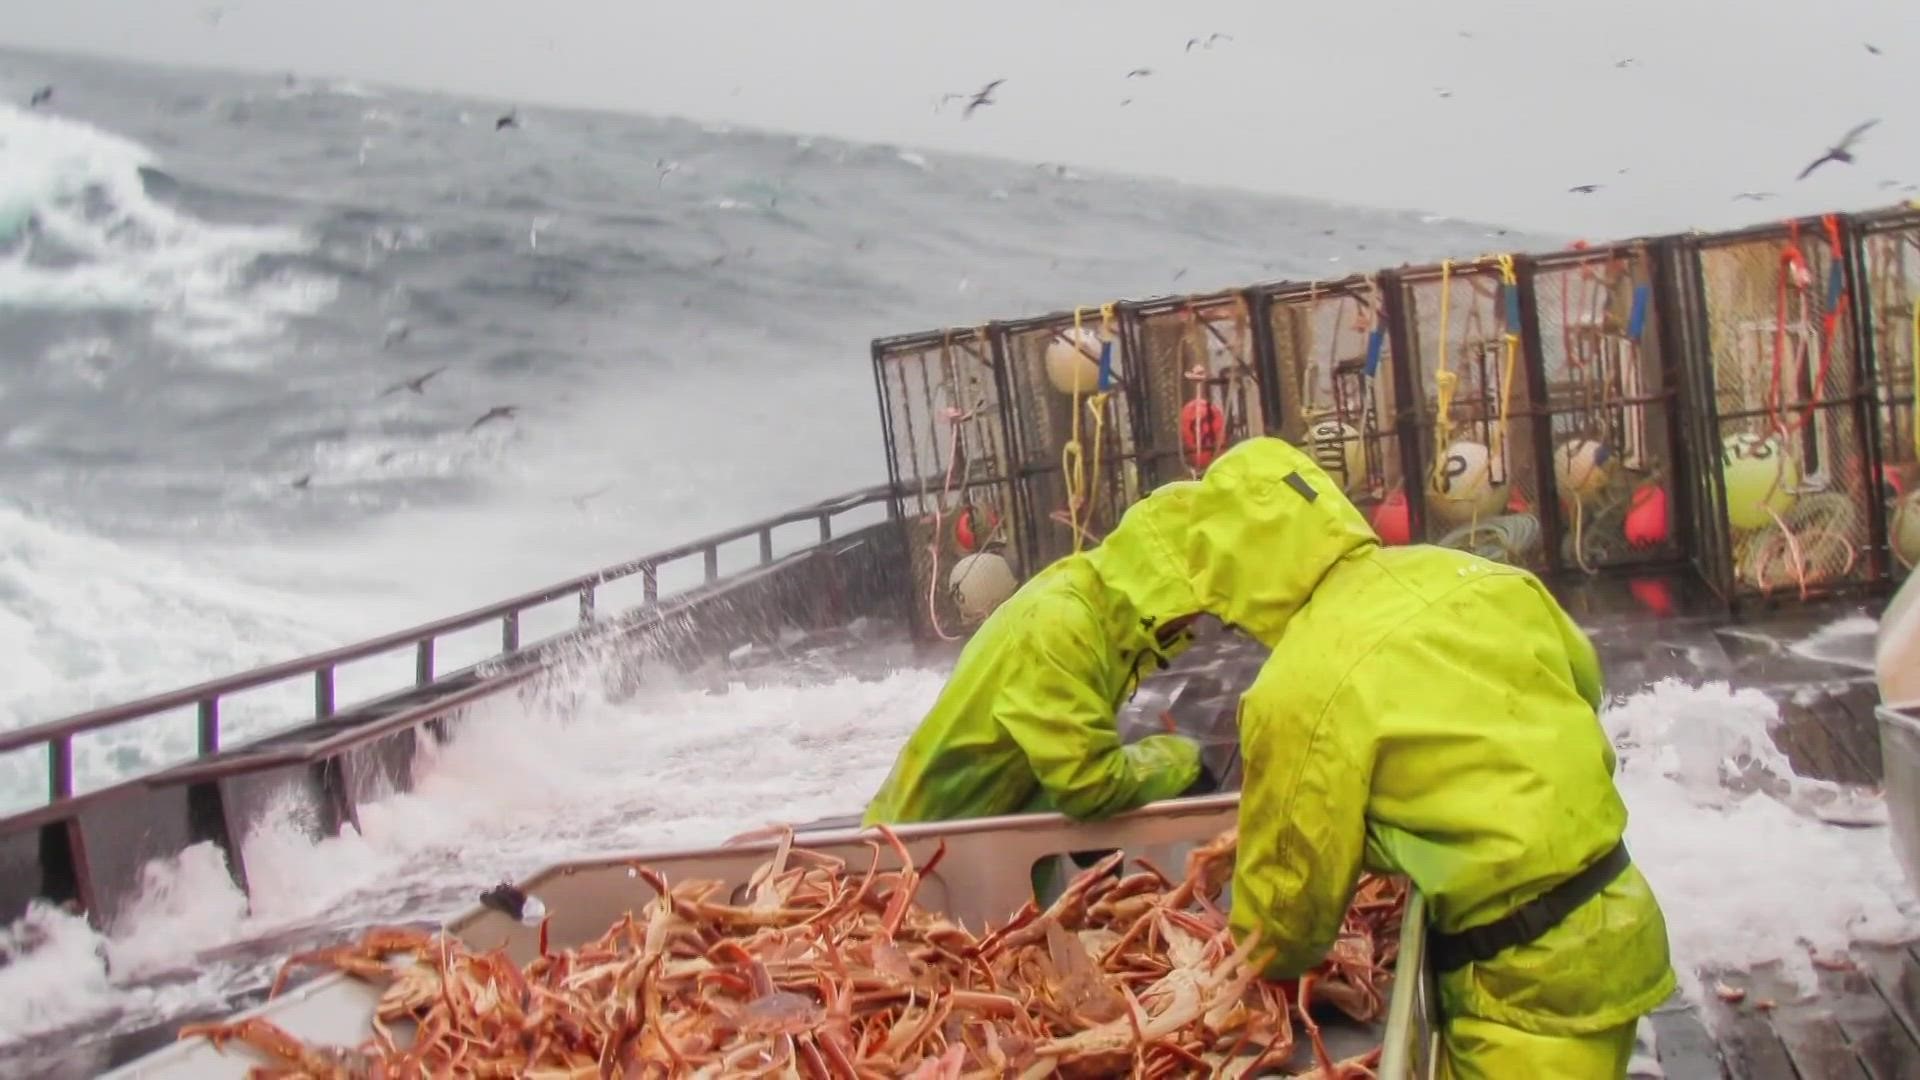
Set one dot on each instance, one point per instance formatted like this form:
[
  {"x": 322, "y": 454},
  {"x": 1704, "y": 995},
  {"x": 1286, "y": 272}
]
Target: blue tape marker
[
  {"x": 1106, "y": 365},
  {"x": 1835, "y": 281},
  {"x": 1513, "y": 308},
  {"x": 1376, "y": 342},
  {"x": 1637, "y": 321}
]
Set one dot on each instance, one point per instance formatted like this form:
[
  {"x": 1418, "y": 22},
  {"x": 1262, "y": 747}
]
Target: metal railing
[{"x": 58, "y": 735}]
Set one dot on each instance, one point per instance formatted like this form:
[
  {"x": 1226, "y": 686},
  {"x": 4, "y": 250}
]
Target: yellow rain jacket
[
  {"x": 1026, "y": 721},
  {"x": 1430, "y": 713}
]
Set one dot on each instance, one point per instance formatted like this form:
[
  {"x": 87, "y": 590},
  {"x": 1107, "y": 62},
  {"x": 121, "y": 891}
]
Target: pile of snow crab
[{"x": 822, "y": 970}]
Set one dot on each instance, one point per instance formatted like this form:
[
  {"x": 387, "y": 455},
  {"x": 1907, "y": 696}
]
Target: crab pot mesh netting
[
  {"x": 1608, "y": 405},
  {"x": 947, "y": 444},
  {"x": 1335, "y": 367},
  {"x": 1077, "y": 437},
  {"x": 1791, "y": 451},
  {"x": 1481, "y": 492},
  {"x": 1201, "y": 383},
  {"x": 1892, "y": 286}
]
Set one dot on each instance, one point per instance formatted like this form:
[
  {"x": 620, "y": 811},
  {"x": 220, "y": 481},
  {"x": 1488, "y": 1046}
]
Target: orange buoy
[
  {"x": 1390, "y": 519},
  {"x": 1203, "y": 427},
  {"x": 1646, "y": 523},
  {"x": 972, "y": 526}
]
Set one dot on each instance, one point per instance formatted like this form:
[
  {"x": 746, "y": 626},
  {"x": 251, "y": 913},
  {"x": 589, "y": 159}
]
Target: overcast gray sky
[{"x": 1331, "y": 100}]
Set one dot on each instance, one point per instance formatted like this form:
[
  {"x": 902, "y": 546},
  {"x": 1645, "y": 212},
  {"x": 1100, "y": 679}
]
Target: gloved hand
[{"x": 1168, "y": 764}]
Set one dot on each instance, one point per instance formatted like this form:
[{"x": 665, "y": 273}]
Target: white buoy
[
  {"x": 1581, "y": 468},
  {"x": 1336, "y": 448},
  {"x": 1461, "y": 487},
  {"x": 979, "y": 583},
  {"x": 1760, "y": 476},
  {"x": 1904, "y": 533},
  {"x": 1073, "y": 361}
]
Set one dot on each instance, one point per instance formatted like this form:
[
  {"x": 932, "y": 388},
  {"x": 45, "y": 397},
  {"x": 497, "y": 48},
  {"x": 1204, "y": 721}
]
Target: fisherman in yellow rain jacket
[
  {"x": 1430, "y": 713},
  {"x": 1026, "y": 721}
]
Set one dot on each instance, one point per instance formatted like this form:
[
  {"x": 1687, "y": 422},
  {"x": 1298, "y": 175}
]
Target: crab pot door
[
  {"x": 1481, "y": 490},
  {"x": 1697, "y": 491},
  {"x": 1201, "y": 385},
  {"x": 1609, "y": 408},
  {"x": 1890, "y": 254},
  {"x": 1055, "y": 366},
  {"x": 948, "y": 453},
  {"x": 1333, "y": 358},
  {"x": 1790, "y": 433}
]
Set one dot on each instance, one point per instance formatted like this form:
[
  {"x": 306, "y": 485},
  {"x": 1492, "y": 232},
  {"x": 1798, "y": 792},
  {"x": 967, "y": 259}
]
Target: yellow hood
[{"x": 1267, "y": 524}]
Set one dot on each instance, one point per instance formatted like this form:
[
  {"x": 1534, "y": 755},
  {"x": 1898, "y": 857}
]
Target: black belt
[{"x": 1530, "y": 920}]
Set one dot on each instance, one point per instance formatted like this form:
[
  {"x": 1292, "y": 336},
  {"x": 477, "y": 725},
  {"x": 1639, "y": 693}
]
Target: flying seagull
[
  {"x": 417, "y": 384},
  {"x": 580, "y": 501},
  {"x": 1753, "y": 196},
  {"x": 1208, "y": 43},
  {"x": 498, "y": 412},
  {"x": 1137, "y": 73},
  {"x": 984, "y": 97},
  {"x": 1872, "y": 48},
  {"x": 1627, "y": 63},
  {"x": 41, "y": 97},
  {"x": 1843, "y": 152},
  {"x": 511, "y": 119},
  {"x": 302, "y": 482},
  {"x": 1584, "y": 189}
]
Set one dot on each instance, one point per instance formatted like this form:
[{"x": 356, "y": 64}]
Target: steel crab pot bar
[
  {"x": 1075, "y": 390},
  {"x": 1201, "y": 380},
  {"x": 1334, "y": 363},
  {"x": 950, "y": 460},
  {"x": 1458, "y": 330},
  {"x": 1783, "y": 412},
  {"x": 1591, "y": 334},
  {"x": 1889, "y": 258}
]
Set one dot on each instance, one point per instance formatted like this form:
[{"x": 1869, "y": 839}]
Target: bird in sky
[
  {"x": 984, "y": 97},
  {"x": 1584, "y": 189},
  {"x": 1841, "y": 152},
  {"x": 417, "y": 384},
  {"x": 498, "y": 412}
]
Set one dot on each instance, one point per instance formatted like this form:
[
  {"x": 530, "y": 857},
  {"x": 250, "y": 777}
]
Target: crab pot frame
[
  {"x": 1473, "y": 450},
  {"x": 1044, "y": 429},
  {"x": 1203, "y": 386},
  {"x": 1610, "y": 412},
  {"x": 1888, "y": 265},
  {"x": 1338, "y": 395},
  {"x": 1788, "y": 452},
  {"x": 950, "y": 456}
]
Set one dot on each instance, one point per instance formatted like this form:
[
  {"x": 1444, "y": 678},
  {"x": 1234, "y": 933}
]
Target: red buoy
[
  {"x": 1390, "y": 519},
  {"x": 1646, "y": 524},
  {"x": 972, "y": 525},
  {"x": 1203, "y": 427}
]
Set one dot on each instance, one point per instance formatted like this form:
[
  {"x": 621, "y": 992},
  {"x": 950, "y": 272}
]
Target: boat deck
[{"x": 1861, "y": 1023}]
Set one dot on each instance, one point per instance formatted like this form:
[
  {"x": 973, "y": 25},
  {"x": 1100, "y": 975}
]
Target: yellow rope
[
  {"x": 1072, "y": 463},
  {"x": 1081, "y": 500},
  {"x": 1443, "y": 378}
]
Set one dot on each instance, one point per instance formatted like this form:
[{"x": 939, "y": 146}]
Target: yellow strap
[
  {"x": 1072, "y": 466},
  {"x": 1443, "y": 378},
  {"x": 1509, "y": 279}
]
